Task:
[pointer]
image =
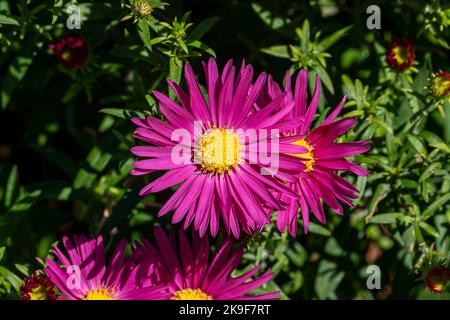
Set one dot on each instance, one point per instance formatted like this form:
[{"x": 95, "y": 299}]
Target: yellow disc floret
[
  {"x": 39, "y": 293},
  {"x": 218, "y": 151},
  {"x": 191, "y": 294},
  {"x": 100, "y": 294},
  {"x": 308, "y": 155}
]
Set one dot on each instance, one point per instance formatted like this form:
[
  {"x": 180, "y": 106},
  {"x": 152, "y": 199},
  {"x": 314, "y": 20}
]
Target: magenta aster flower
[
  {"x": 221, "y": 172},
  {"x": 318, "y": 183},
  {"x": 190, "y": 275},
  {"x": 84, "y": 275},
  {"x": 72, "y": 51}
]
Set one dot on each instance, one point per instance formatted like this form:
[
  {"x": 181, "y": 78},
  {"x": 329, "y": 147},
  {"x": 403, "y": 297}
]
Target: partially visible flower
[
  {"x": 37, "y": 287},
  {"x": 437, "y": 278},
  {"x": 220, "y": 172},
  {"x": 190, "y": 275},
  {"x": 440, "y": 84},
  {"x": 400, "y": 55},
  {"x": 143, "y": 9},
  {"x": 318, "y": 183},
  {"x": 72, "y": 51},
  {"x": 84, "y": 275}
]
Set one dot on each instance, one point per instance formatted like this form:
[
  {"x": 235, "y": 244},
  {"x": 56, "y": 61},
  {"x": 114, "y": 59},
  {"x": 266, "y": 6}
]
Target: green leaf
[
  {"x": 305, "y": 35},
  {"x": 325, "y": 78},
  {"x": 96, "y": 161},
  {"x": 56, "y": 10},
  {"x": 328, "y": 279},
  {"x": 144, "y": 32},
  {"x": 8, "y": 20},
  {"x": 11, "y": 185},
  {"x": 333, "y": 38},
  {"x": 429, "y": 171},
  {"x": 15, "y": 73},
  {"x": 318, "y": 229},
  {"x": 435, "y": 141},
  {"x": 429, "y": 229},
  {"x": 202, "y": 28},
  {"x": 361, "y": 183},
  {"x": 280, "y": 51},
  {"x": 437, "y": 204},
  {"x": 2, "y": 252},
  {"x": 15, "y": 281},
  {"x": 175, "y": 70},
  {"x": 349, "y": 86},
  {"x": 417, "y": 144},
  {"x": 271, "y": 20},
  {"x": 200, "y": 45},
  {"x": 380, "y": 193},
  {"x": 382, "y": 124},
  {"x": 385, "y": 218},
  {"x": 22, "y": 269}
]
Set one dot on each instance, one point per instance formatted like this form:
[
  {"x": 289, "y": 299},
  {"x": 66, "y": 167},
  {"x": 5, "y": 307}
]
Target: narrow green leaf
[
  {"x": 328, "y": 41},
  {"x": 318, "y": 229},
  {"x": 385, "y": 218},
  {"x": 429, "y": 229},
  {"x": 15, "y": 281},
  {"x": 11, "y": 185},
  {"x": 202, "y": 28},
  {"x": 325, "y": 78},
  {"x": 417, "y": 144},
  {"x": 15, "y": 73},
  {"x": 8, "y": 20},
  {"x": 144, "y": 32},
  {"x": 436, "y": 205},
  {"x": 272, "y": 21},
  {"x": 280, "y": 51},
  {"x": 200, "y": 45}
]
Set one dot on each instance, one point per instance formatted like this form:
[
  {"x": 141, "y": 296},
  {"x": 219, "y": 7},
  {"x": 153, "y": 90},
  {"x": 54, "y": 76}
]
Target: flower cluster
[
  {"x": 241, "y": 152},
  {"x": 168, "y": 272},
  {"x": 223, "y": 175}
]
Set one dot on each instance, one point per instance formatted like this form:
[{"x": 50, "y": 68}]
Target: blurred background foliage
[{"x": 65, "y": 134}]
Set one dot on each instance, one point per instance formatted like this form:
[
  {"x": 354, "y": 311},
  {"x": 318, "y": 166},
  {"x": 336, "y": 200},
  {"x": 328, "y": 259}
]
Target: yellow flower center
[
  {"x": 100, "y": 294},
  {"x": 39, "y": 293},
  {"x": 67, "y": 55},
  {"x": 191, "y": 294},
  {"x": 219, "y": 150},
  {"x": 400, "y": 53},
  {"x": 441, "y": 86},
  {"x": 308, "y": 155}
]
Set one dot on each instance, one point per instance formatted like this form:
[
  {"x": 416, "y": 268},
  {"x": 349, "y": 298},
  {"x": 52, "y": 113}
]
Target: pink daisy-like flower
[
  {"x": 318, "y": 183},
  {"x": 84, "y": 275},
  {"x": 190, "y": 275},
  {"x": 219, "y": 180}
]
